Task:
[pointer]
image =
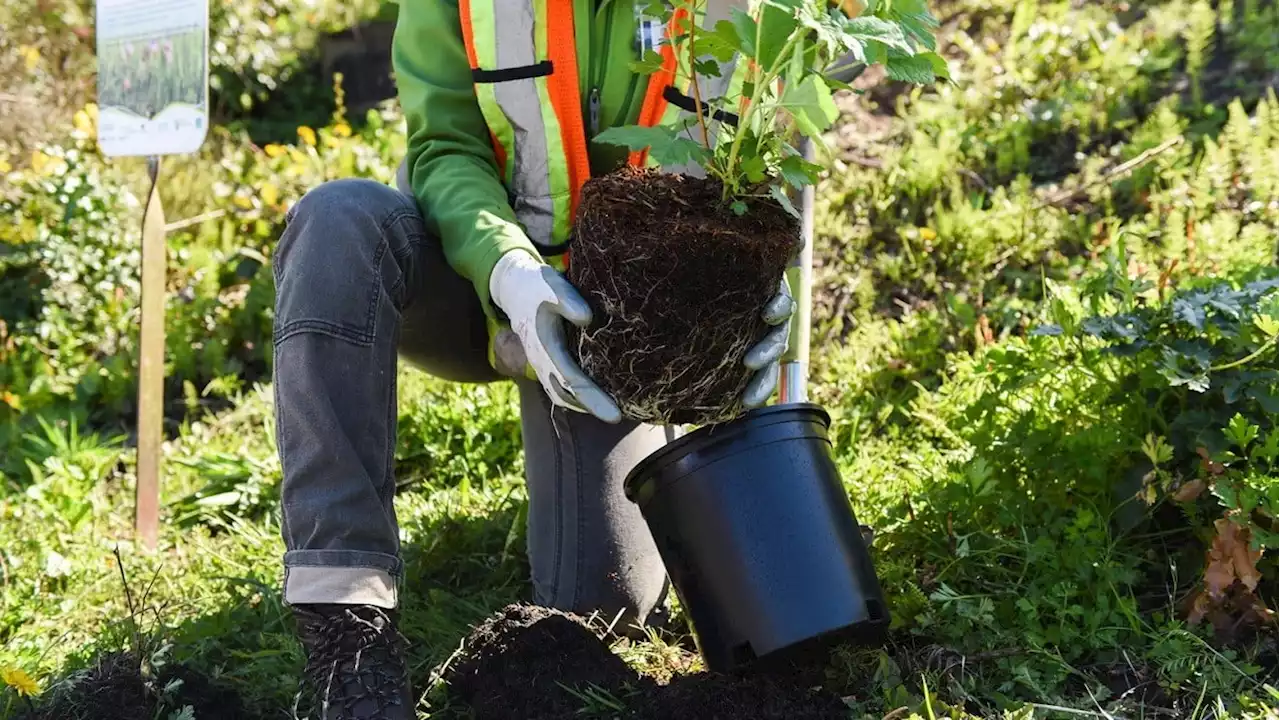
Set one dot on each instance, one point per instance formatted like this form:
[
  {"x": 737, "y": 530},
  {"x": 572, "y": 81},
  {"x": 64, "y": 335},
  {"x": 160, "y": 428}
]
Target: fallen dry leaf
[
  {"x": 1209, "y": 466},
  {"x": 1190, "y": 491},
  {"x": 1231, "y": 559}
]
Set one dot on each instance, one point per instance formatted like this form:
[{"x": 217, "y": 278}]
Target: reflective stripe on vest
[{"x": 525, "y": 69}]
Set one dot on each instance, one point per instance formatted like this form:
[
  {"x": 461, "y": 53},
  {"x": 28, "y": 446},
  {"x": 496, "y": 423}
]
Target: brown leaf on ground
[
  {"x": 1213, "y": 468},
  {"x": 1190, "y": 491},
  {"x": 1231, "y": 559}
]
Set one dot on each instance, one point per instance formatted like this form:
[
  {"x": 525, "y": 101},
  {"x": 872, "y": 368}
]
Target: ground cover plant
[{"x": 1045, "y": 325}]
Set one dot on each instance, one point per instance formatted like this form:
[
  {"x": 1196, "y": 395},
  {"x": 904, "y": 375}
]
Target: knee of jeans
[{"x": 331, "y": 265}]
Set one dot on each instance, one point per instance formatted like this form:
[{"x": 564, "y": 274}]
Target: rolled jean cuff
[{"x": 341, "y": 577}]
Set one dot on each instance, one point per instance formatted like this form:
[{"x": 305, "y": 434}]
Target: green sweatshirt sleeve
[{"x": 450, "y": 158}]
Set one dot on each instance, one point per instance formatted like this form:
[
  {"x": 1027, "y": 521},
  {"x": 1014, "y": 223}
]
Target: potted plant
[{"x": 679, "y": 264}]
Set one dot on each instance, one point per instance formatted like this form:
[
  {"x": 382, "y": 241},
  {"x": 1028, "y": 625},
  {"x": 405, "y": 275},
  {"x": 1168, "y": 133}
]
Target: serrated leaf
[
  {"x": 707, "y": 68},
  {"x": 664, "y": 146},
  {"x": 812, "y": 100},
  {"x": 1241, "y": 432},
  {"x": 754, "y": 168},
  {"x": 784, "y": 201},
  {"x": 649, "y": 64},
  {"x": 721, "y": 42},
  {"x": 657, "y": 9},
  {"x": 1269, "y": 326},
  {"x": 915, "y": 69},
  {"x": 797, "y": 171},
  {"x": 1189, "y": 311},
  {"x": 778, "y": 22},
  {"x": 868, "y": 28},
  {"x": 738, "y": 207}
]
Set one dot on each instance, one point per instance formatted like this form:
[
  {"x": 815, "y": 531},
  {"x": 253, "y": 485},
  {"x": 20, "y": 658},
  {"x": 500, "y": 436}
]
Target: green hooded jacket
[{"x": 450, "y": 159}]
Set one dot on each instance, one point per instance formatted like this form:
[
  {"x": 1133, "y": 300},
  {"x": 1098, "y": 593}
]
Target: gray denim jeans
[{"x": 360, "y": 284}]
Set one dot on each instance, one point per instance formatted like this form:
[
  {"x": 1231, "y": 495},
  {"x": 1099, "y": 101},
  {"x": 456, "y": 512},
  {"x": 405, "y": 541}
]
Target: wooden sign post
[{"x": 153, "y": 79}]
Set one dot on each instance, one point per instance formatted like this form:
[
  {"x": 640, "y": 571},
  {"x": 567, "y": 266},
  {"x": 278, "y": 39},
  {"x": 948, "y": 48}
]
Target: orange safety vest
[{"x": 524, "y": 64}]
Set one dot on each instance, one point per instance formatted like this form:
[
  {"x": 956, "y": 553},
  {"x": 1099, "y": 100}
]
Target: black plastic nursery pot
[{"x": 759, "y": 539}]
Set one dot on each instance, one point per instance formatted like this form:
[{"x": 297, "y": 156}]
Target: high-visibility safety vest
[{"x": 525, "y": 69}]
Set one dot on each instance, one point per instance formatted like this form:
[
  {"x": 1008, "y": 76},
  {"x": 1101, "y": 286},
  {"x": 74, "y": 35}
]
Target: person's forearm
[{"x": 450, "y": 158}]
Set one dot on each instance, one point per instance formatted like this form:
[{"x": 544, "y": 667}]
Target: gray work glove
[
  {"x": 764, "y": 356},
  {"x": 538, "y": 300}
]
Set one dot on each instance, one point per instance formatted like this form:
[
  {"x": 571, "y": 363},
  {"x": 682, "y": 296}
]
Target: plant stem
[
  {"x": 1251, "y": 356},
  {"x": 744, "y": 122},
  {"x": 693, "y": 74}
]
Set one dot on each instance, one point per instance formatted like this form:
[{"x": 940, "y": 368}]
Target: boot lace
[{"x": 355, "y": 661}]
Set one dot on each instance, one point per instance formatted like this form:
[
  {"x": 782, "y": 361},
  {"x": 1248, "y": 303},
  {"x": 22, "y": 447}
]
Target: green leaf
[
  {"x": 940, "y": 67},
  {"x": 1270, "y": 448},
  {"x": 657, "y": 9},
  {"x": 1156, "y": 449},
  {"x": 1189, "y": 311},
  {"x": 797, "y": 171},
  {"x": 1268, "y": 325},
  {"x": 812, "y": 100},
  {"x": 707, "y": 68},
  {"x": 784, "y": 201},
  {"x": 739, "y": 208},
  {"x": 778, "y": 22},
  {"x": 917, "y": 69},
  {"x": 1241, "y": 432},
  {"x": 722, "y": 42},
  {"x": 744, "y": 27},
  {"x": 648, "y": 65},
  {"x": 754, "y": 168},
  {"x": 665, "y": 146},
  {"x": 867, "y": 28}
]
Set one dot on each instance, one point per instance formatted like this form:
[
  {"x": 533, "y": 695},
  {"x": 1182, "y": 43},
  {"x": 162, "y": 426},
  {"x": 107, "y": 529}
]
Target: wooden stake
[{"x": 151, "y": 365}]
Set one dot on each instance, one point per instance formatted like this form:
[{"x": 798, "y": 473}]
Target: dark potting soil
[
  {"x": 523, "y": 662},
  {"x": 114, "y": 689},
  {"x": 677, "y": 282}
]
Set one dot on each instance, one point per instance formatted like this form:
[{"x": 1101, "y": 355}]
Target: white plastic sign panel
[{"x": 153, "y": 76}]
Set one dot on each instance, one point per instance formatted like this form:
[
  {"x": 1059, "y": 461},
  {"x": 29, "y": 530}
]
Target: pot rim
[{"x": 714, "y": 434}]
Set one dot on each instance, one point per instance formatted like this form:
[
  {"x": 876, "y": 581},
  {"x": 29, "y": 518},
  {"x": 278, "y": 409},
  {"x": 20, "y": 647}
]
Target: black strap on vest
[
  {"x": 524, "y": 72},
  {"x": 686, "y": 103}
]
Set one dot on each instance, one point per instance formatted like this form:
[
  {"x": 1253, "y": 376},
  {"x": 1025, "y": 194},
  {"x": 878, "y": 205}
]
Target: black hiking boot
[{"x": 355, "y": 663}]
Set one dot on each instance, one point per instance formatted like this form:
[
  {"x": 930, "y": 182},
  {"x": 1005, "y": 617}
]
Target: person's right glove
[{"x": 538, "y": 300}]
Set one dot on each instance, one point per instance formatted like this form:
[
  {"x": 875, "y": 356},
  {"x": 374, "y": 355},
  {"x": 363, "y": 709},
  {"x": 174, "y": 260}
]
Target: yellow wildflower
[
  {"x": 342, "y": 130},
  {"x": 20, "y": 681},
  {"x": 4, "y": 164},
  {"x": 11, "y": 400},
  {"x": 31, "y": 55},
  {"x": 928, "y": 234},
  {"x": 242, "y": 202},
  {"x": 273, "y": 150},
  {"x": 39, "y": 161},
  {"x": 83, "y": 122},
  {"x": 269, "y": 194},
  {"x": 307, "y": 134}
]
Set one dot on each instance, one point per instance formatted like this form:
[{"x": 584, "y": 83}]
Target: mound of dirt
[
  {"x": 114, "y": 689},
  {"x": 533, "y": 663},
  {"x": 521, "y": 662}
]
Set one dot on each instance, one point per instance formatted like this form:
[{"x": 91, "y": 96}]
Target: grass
[{"x": 1023, "y": 280}]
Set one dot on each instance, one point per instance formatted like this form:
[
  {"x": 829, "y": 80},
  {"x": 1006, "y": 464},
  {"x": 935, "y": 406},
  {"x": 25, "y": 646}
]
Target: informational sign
[{"x": 153, "y": 76}]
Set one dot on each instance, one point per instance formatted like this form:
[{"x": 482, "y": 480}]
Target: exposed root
[{"x": 677, "y": 282}]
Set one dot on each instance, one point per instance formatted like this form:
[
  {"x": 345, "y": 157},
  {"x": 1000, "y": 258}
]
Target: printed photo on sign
[{"x": 153, "y": 76}]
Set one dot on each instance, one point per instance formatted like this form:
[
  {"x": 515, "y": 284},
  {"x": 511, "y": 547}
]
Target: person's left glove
[
  {"x": 763, "y": 357},
  {"x": 538, "y": 300}
]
